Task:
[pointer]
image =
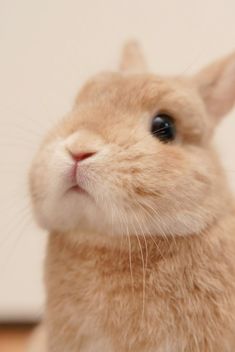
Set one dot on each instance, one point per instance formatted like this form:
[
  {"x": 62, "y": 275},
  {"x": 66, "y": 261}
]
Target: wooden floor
[{"x": 14, "y": 338}]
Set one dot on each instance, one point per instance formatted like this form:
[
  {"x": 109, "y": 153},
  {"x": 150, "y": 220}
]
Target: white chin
[{"x": 68, "y": 213}]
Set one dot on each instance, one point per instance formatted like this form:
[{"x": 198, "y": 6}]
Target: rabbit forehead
[{"x": 142, "y": 90}]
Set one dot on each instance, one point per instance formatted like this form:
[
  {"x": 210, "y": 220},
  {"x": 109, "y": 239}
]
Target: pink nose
[{"x": 82, "y": 156}]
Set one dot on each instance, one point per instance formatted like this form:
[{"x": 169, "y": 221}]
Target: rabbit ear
[
  {"x": 132, "y": 59},
  {"x": 216, "y": 84}
]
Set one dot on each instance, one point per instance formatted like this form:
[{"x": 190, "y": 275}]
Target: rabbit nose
[{"x": 81, "y": 156}]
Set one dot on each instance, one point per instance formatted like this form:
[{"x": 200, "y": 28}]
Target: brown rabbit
[{"x": 141, "y": 252}]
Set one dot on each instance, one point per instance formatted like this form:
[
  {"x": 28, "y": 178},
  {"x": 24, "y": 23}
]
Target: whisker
[
  {"x": 23, "y": 225},
  {"x": 17, "y": 217}
]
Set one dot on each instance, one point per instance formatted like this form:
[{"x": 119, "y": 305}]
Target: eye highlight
[{"x": 163, "y": 127}]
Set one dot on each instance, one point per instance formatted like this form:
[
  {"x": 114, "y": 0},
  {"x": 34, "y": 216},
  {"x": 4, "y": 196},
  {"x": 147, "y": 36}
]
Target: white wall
[{"x": 47, "y": 49}]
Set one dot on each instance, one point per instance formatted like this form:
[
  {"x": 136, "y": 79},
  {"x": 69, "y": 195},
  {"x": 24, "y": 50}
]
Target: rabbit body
[
  {"x": 141, "y": 221},
  {"x": 188, "y": 302}
]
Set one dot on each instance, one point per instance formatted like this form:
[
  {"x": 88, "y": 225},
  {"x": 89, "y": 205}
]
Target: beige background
[{"x": 47, "y": 49}]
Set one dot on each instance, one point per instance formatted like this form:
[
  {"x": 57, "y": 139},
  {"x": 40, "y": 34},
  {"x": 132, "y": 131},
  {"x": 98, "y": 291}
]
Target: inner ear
[
  {"x": 132, "y": 59},
  {"x": 216, "y": 85}
]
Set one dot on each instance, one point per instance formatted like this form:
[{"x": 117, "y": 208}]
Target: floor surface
[{"x": 14, "y": 338}]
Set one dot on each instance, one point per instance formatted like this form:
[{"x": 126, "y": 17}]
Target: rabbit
[{"x": 140, "y": 216}]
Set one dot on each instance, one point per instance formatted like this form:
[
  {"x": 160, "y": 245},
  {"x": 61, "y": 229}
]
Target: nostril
[{"x": 81, "y": 156}]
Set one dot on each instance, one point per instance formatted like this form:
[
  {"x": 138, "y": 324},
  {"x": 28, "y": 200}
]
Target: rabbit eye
[{"x": 163, "y": 128}]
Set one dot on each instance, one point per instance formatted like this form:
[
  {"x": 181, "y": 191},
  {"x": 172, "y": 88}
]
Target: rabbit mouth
[
  {"x": 78, "y": 189},
  {"x": 72, "y": 177}
]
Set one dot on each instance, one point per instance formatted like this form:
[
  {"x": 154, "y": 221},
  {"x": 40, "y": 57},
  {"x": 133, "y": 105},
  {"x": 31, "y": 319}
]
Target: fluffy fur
[{"x": 142, "y": 260}]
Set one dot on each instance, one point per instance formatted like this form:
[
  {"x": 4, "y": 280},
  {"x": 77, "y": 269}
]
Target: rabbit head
[{"x": 135, "y": 153}]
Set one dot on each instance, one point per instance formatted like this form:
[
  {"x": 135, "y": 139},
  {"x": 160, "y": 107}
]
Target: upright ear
[
  {"x": 216, "y": 85},
  {"x": 132, "y": 59}
]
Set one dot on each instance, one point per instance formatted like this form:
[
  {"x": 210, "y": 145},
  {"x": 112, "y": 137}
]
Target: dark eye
[{"x": 163, "y": 128}]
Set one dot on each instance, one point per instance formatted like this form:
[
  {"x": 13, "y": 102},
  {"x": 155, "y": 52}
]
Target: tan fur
[{"x": 145, "y": 260}]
